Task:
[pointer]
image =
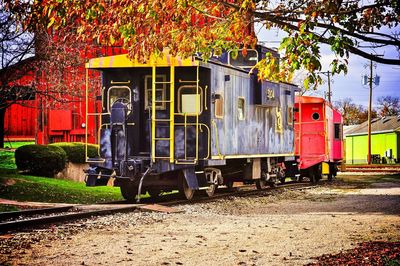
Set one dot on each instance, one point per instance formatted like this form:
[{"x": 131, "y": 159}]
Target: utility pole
[
  {"x": 369, "y": 114},
  {"x": 329, "y": 94},
  {"x": 371, "y": 81}
]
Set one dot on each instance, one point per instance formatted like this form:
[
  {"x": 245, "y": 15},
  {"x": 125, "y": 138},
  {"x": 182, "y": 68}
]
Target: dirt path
[{"x": 288, "y": 228}]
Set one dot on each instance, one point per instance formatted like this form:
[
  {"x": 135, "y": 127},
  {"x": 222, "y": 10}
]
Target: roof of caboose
[
  {"x": 378, "y": 125},
  {"x": 309, "y": 99},
  {"x": 123, "y": 61}
]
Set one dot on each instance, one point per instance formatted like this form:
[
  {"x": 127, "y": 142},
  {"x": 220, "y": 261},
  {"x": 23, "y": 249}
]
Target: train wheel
[
  {"x": 185, "y": 190},
  {"x": 315, "y": 173},
  {"x": 154, "y": 193},
  {"x": 128, "y": 190},
  {"x": 229, "y": 185},
  {"x": 211, "y": 190},
  {"x": 318, "y": 171},
  {"x": 281, "y": 176},
  {"x": 261, "y": 184}
]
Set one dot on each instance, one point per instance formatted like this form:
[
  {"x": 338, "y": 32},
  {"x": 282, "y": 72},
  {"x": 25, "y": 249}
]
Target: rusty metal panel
[{"x": 265, "y": 129}]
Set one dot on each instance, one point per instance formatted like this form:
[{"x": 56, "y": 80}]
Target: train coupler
[{"x": 95, "y": 176}]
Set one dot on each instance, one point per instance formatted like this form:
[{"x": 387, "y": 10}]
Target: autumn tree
[
  {"x": 353, "y": 114},
  {"x": 208, "y": 27},
  {"x": 388, "y": 106},
  {"x": 36, "y": 65},
  {"x": 16, "y": 46}
]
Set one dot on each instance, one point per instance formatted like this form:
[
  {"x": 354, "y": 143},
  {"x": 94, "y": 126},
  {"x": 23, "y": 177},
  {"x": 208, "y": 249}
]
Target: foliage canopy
[{"x": 208, "y": 27}]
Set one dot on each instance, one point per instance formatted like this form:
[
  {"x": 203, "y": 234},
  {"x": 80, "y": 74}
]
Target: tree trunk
[{"x": 2, "y": 116}]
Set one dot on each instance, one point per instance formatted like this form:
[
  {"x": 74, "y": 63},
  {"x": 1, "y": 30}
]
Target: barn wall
[{"x": 20, "y": 121}]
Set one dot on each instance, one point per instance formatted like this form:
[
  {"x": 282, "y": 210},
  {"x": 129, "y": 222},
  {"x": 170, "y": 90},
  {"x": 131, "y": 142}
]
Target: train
[
  {"x": 190, "y": 124},
  {"x": 318, "y": 138}
]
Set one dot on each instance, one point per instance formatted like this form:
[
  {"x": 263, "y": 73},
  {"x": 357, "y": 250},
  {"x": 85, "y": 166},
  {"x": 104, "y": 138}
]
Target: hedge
[
  {"x": 40, "y": 160},
  {"x": 76, "y": 151}
]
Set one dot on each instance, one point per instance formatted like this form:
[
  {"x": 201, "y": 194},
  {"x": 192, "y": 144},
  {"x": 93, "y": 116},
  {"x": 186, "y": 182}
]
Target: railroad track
[
  {"x": 20, "y": 220},
  {"x": 36, "y": 218},
  {"x": 373, "y": 168}
]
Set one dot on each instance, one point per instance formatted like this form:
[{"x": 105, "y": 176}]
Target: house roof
[
  {"x": 347, "y": 129},
  {"x": 378, "y": 125}
]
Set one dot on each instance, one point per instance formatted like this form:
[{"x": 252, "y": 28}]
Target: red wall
[
  {"x": 20, "y": 120},
  {"x": 54, "y": 122}
]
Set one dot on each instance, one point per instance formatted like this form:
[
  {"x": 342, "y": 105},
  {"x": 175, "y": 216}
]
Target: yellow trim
[
  {"x": 153, "y": 114},
  {"x": 220, "y": 156},
  {"x": 122, "y": 61},
  {"x": 120, "y": 82},
  {"x": 171, "y": 114},
  {"x": 243, "y": 156},
  {"x": 279, "y": 120},
  {"x": 197, "y": 113},
  {"x": 86, "y": 114},
  {"x": 325, "y": 168},
  {"x": 205, "y": 98}
]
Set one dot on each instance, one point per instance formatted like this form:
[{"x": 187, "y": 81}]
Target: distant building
[{"x": 385, "y": 141}]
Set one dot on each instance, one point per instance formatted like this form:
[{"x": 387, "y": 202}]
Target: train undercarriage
[{"x": 135, "y": 182}]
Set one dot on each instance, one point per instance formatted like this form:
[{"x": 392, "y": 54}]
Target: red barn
[{"x": 56, "y": 118}]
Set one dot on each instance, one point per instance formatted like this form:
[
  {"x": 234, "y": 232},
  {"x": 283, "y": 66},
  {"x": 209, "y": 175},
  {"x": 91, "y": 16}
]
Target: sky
[{"x": 350, "y": 85}]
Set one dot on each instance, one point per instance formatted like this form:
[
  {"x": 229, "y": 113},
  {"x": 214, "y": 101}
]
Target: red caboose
[{"x": 318, "y": 137}]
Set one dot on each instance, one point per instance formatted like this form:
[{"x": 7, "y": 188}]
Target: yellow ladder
[
  {"x": 155, "y": 121},
  {"x": 186, "y": 159}
]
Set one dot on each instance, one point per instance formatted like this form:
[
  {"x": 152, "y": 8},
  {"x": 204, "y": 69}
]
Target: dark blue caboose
[{"x": 187, "y": 124}]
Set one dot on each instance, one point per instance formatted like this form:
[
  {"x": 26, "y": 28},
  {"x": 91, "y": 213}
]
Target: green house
[{"x": 385, "y": 141}]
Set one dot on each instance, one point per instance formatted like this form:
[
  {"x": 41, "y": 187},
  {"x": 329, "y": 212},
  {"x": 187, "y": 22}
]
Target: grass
[
  {"x": 7, "y": 161},
  {"x": 44, "y": 189},
  {"x": 16, "y": 144},
  {"x": 15, "y": 186},
  {"x": 8, "y": 208}
]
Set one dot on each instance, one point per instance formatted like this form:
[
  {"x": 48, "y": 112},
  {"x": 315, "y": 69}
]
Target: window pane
[
  {"x": 160, "y": 92},
  {"x": 338, "y": 134},
  {"x": 116, "y": 93},
  {"x": 219, "y": 106},
  {"x": 189, "y": 103},
  {"x": 241, "y": 109},
  {"x": 250, "y": 60}
]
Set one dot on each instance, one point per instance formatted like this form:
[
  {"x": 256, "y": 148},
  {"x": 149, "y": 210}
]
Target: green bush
[
  {"x": 76, "y": 151},
  {"x": 40, "y": 160}
]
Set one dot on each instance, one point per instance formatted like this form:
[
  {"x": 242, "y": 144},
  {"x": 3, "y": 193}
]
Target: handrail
[{"x": 217, "y": 139}]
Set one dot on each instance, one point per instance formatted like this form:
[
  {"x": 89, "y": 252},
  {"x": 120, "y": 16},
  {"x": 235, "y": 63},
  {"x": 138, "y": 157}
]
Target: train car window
[
  {"x": 219, "y": 106},
  {"x": 120, "y": 93},
  {"x": 290, "y": 115},
  {"x": 190, "y": 100},
  {"x": 241, "y": 108},
  {"x": 315, "y": 116},
  {"x": 160, "y": 92},
  {"x": 248, "y": 61},
  {"x": 338, "y": 131}
]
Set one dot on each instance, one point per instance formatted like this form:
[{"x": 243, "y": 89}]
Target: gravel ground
[{"x": 290, "y": 228}]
